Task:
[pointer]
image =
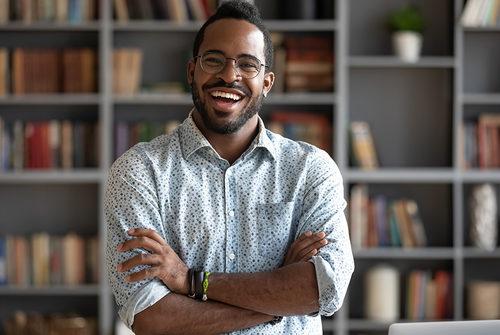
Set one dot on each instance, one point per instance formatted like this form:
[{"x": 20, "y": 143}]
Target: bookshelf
[{"x": 415, "y": 111}]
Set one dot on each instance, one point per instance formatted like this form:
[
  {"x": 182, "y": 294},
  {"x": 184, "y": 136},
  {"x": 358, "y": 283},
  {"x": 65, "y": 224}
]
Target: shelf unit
[
  {"x": 398, "y": 107},
  {"x": 415, "y": 111}
]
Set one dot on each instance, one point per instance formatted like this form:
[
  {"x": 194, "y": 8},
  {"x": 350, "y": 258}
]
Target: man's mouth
[{"x": 225, "y": 96}]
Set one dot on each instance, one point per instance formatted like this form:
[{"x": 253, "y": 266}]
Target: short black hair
[{"x": 240, "y": 10}]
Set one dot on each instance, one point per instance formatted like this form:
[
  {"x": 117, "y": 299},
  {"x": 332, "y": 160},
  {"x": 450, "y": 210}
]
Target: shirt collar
[{"x": 192, "y": 139}]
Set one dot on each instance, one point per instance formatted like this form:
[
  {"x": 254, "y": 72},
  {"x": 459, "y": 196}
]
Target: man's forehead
[{"x": 225, "y": 34}]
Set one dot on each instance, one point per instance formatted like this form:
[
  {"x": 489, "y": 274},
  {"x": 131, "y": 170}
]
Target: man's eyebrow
[
  {"x": 237, "y": 56},
  {"x": 214, "y": 51}
]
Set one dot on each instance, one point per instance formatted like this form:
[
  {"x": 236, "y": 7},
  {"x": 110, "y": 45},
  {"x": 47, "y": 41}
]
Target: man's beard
[{"x": 229, "y": 127}]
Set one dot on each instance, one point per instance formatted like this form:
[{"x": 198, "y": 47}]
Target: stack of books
[{"x": 309, "y": 64}]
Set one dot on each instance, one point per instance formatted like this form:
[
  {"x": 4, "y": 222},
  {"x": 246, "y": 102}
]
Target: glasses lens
[
  {"x": 212, "y": 62},
  {"x": 248, "y": 66}
]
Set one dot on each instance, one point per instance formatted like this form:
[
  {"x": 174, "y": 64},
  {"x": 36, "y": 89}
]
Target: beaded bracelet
[{"x": 205, "y": 285}]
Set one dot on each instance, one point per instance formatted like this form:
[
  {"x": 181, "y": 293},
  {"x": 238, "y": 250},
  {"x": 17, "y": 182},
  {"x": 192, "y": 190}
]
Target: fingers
[
  {"x": 308, "y": 255},
  {"x": 140, "y": 242},
  {"x": 304, "y": 247},
  {"x": 312, "y": 249},
  {"x": 143, "y": 274},
  {"x": 141, "y": 259},
  {"x": 152, "y": 234},
  {"x": 308, "y": 241}
]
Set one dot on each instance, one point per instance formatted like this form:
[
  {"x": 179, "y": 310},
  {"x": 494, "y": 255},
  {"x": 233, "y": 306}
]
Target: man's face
[{"x": 226, "y": 100}]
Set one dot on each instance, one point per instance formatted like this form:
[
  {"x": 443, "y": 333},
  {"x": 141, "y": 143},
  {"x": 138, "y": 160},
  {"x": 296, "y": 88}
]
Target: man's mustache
[{"x": 222, "y": 83}]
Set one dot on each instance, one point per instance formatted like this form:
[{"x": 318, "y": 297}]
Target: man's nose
[{"x": 229, "y": 72}]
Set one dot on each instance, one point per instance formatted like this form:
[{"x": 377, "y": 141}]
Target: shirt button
[
  {"x": 232, "y": 256},
  {"x": 231, "y": 213}
]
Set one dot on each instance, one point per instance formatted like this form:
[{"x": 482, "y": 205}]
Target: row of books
[
  {"x": 175, "y": 10},
  {"x": 129, "y": 133},
  {"x": 42, "y": 259},
  {"x": 310, "y": 127},
  {"x": 429, "y": 296},
  {"x": 29, "y": 323},
  {"x": 303, "y": 63},
  {"x": 48, "y": 144},
  {"x": 481, "y": 13},
  {"x": 376, "y": 221},
  {"x": 49, "y": 70},
  {"x": 480, "y": 142},
  {"x": 74, "y": 11},
  {"x": 362, "y": 146}
]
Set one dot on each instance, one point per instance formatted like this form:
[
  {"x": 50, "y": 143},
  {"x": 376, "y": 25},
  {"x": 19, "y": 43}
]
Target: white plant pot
[{"x": 407, "y": 45}]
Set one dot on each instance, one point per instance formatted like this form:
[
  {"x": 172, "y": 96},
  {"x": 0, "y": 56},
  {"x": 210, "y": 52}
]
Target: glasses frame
[{"x": 235, "y": 66}]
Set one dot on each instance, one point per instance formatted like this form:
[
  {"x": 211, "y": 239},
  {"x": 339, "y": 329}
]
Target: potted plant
[{"x": 407, "y": 25}]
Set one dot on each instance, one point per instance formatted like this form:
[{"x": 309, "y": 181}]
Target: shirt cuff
[
  {"x": 331, "y": 292},
  {"x": 146, "y": 296}
]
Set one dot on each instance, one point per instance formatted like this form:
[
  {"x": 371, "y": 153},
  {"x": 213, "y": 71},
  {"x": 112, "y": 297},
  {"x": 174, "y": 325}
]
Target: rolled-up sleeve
[
  {"x": 130, "y": 201},
  {"x": 323, "y": 210}
]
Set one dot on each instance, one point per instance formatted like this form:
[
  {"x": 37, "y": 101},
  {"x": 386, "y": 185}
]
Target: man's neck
[{"x": 230, "y": 146}]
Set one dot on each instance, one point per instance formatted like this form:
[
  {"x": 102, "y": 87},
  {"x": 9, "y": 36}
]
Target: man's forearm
[
  {"x": 178, "y": 314},
  {"x": 290, "y": 290}
]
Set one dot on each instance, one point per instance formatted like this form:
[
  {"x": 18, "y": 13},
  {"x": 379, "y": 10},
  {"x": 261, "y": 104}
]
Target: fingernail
[
  {"x": 119, "y": 246},
  {"x": 127, "y": 278},
  {"x": 320, "y": 234},
  {"x": 308, "y": 233},
  {"x": 131, "y": 231},
  {"x": 119, "y": 267}
]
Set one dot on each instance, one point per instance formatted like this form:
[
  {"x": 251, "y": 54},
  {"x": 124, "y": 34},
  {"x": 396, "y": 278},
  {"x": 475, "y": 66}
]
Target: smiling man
[{"x": 222, "y": 225}]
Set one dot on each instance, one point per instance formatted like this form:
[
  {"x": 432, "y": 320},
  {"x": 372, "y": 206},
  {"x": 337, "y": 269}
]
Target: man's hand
[
  {"x": 306, "y": 246},
  {"x": 165, "y": 264}
]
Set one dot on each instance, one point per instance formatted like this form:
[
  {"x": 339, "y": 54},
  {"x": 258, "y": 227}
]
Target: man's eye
[
  {"x": 248, "y": 66},
  {"x": 213, "y": 61}
]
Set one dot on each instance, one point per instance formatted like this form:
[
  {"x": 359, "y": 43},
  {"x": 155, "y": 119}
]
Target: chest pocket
[{"x": 275, "y": 224}]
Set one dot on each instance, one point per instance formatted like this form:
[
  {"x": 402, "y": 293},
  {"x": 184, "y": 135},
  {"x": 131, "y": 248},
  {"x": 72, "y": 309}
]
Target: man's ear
[
  {"x": 190, "y": 71},
  {"x": 268, "y": 82}
]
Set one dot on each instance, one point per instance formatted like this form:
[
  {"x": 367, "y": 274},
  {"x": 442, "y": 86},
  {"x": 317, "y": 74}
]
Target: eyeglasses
[{"x": 247, "y": 66}]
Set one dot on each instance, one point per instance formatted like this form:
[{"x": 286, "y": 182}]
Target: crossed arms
[{"x": 237, "y": 301}]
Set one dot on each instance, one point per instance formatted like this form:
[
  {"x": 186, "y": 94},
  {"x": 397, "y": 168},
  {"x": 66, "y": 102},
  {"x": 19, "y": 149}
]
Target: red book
[{"x": 444, "y": 294}]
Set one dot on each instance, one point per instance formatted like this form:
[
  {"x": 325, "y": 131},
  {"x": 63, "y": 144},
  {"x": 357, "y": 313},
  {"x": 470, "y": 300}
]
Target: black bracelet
[
  {"x": 198, "y": 284},
  {"x": 191, "y": 292},
  {"x": 277, "y": 319}
]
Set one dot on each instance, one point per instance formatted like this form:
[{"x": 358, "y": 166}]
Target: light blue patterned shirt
[{"x": 228, "y": 218}]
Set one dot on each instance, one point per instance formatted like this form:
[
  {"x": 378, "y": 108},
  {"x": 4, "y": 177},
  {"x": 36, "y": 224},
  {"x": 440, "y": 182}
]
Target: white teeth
[{"x": 226, "y": 95}]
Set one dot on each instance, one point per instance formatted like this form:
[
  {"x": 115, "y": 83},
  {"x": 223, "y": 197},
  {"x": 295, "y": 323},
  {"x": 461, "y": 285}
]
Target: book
[
  {"x": 404, "y": 224},
  {"x": 121, "y": 10},
  {"x": 362, "y": 146},
  {"x": 310, "y": 127},
  {"x": 4, "y": 71},
  {"x": 444, "y": 294},
  {"x": 127, "y": 71},
  {"x": 66, "y": 145},
  {"x": 358, "y": 216},
  {"x": 40, "y": 248},
  {"x": 381, "y": 220},
  {"x": 4, "y": 11},
  {"x": 177, "y": 10},
  {"x": 73, "y": 247},
  {"x": 417, "y": 226}
]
